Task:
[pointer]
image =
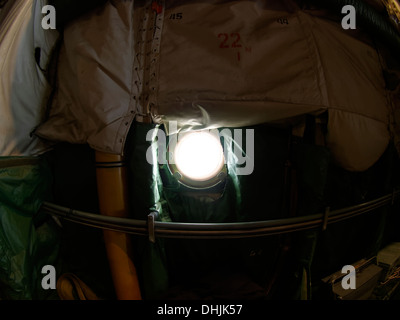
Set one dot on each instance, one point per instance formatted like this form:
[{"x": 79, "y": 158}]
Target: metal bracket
[
  {"x": 325, "y": 220},
  {"x": 151, "y": 218}
]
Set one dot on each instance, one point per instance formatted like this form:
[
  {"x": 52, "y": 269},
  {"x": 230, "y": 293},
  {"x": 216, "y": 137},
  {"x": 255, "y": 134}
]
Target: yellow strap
[{"x": 70, "y": 287}]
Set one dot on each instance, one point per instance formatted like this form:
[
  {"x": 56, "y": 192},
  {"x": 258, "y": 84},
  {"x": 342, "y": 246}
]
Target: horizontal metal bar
[{"x": 229, "y": 230}]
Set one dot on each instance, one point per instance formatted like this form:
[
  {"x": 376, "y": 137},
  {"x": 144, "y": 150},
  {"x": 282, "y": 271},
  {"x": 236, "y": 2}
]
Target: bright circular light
[{"x": 199, "y": 156}]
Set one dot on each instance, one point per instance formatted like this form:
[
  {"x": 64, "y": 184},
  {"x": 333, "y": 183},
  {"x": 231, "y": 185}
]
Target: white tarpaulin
[
  {"x": 217, "y": 63},
  {"x": 24, "y": 89}
]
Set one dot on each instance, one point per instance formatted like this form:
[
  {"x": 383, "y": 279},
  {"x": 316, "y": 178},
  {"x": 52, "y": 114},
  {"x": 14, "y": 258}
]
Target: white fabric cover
[
  {"x": 93, "y": 102},
  {"x": 217, "y": 63},
  {"x": 24, "y": 89}
]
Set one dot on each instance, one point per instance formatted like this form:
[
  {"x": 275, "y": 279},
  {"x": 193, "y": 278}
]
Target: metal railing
[{"x": 153, "y": 228}]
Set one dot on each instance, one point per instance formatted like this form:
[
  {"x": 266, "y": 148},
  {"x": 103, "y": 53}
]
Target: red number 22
[{"x": 225, "y": 37}]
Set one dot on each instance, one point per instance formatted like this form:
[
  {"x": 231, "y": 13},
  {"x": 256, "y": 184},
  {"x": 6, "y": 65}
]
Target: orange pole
[{"x": 113, "y": 201}]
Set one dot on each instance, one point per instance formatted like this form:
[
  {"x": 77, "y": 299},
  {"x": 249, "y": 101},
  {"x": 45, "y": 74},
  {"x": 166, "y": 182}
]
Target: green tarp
[{"x": 27, "y": 238}]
